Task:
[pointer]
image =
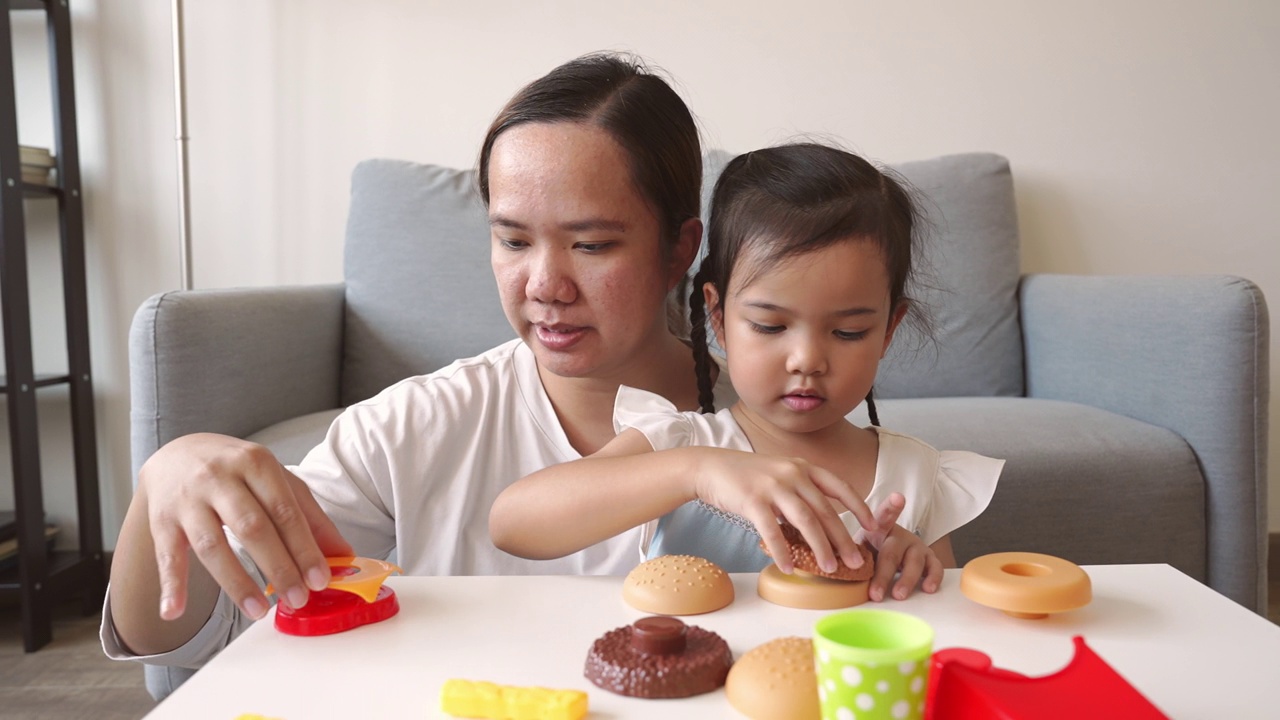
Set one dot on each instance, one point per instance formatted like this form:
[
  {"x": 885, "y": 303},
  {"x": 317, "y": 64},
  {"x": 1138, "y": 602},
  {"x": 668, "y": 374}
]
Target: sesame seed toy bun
[
  {"x": 677, "y": 585},
  {"x": 775, "y": 681}
]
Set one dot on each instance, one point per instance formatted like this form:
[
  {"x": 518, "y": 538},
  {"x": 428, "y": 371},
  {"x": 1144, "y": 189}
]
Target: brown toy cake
[
  {"x": 659, "y": 657},
  {"x": 802, "y": 558}
]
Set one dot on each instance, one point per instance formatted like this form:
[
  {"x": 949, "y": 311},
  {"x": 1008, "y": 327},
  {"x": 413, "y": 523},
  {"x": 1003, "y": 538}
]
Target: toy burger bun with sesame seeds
[
  {"x": 677, "y": 585},
  {"x": 775, "y": 681}
]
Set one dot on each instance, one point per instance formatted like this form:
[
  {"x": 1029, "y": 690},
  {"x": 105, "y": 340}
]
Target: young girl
[{"x": 809, "y": 256}]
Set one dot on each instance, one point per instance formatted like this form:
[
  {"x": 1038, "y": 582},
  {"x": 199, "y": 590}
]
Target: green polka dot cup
[{"x": 872, "y": 665}]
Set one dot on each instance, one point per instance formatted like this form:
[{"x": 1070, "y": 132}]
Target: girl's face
[
  {"x": 576, "y": 250},
  {"x": 805, "y": 336}
]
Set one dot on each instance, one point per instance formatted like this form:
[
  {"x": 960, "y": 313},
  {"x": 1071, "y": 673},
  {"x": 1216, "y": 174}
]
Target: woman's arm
[
  {"x": 565, "y": 508},
  {"x": 187, "y": 491}
]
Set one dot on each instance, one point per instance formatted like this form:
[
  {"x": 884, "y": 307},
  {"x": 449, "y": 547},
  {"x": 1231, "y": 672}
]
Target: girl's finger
[
  {"x": 933, "y": 572},
  {"x": 886, "y": 567},
  {"x": 796, "y": 511},
  {"x": 913, "y": 565},
  {"x": 771, "y": 536}
]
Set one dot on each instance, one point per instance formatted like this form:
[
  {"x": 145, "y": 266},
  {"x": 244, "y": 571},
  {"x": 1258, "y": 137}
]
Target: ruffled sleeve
[
  {"x": 944, "y": 490},
  {"x": 963, "y": 488},
  {"x": 655, "y": 416}
]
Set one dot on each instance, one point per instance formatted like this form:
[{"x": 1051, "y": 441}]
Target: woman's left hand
[{"x": 901, "y": 553}]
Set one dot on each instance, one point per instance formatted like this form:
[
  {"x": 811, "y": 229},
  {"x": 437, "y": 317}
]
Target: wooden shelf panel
[{"x": 25, "y": 4}]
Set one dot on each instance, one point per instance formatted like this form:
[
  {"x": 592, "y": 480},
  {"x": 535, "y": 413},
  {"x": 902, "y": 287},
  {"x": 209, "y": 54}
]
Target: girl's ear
[
  {"x": 715, "y": 311},
  {"x": 686, "y": 249},
  {"x": 894, "y": 321}
]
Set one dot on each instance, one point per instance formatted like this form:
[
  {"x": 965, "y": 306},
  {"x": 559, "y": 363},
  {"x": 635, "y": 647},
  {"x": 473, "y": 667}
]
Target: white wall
[{"x": 1141, "y": 133}]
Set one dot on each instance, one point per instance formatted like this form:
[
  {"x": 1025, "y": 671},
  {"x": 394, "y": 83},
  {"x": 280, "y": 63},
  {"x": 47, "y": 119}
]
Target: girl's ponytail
[{"x": 698, "y": 334}]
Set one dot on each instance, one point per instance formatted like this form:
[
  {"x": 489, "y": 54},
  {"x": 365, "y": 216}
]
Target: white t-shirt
[
  {"x": 943, "y": 489},
  {"x": 433, "y": 451}
]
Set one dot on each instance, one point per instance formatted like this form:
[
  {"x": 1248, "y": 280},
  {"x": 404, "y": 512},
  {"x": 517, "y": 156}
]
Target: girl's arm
[{"x": 564, "y": 508}]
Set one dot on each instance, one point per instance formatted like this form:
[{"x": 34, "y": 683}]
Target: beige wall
[{"x": 1141, "y": 133}]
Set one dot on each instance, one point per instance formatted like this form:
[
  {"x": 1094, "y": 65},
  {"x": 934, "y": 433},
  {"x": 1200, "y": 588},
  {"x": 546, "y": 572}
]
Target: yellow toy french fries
[{"x": 479, "y": 699}]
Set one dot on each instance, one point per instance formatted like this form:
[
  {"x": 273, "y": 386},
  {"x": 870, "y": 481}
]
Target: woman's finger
[
  {"x": 204, "y": 533},
  {"x": 253, "y": 525}
]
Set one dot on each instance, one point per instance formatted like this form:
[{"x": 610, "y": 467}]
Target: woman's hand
[
  {"x": 195, "y": 485},
  {"x": 900, "y": 553},
  {"x": 763, "y": 488}
]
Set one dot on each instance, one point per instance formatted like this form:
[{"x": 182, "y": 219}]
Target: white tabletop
[{"x": 1191, "y": 651}]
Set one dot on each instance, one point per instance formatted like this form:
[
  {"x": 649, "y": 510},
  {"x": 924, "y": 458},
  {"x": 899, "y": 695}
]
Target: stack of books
[
  {"x": 37, "y": 165},
  {"x": 9, "y": 539}
]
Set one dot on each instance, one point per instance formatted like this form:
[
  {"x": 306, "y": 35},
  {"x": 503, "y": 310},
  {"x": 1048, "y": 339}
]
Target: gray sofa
[{"x": 1132, "y": 410}]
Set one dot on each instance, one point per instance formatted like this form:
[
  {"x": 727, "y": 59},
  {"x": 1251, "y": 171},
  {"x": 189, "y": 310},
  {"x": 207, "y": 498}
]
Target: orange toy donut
[{"x": 1026, "y": 585}]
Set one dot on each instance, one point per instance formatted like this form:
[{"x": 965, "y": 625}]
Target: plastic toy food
[
  {"x": 808, "y": 587},
  {"x": 677, "y": 585},
  {"x": 966, "y": 687},
  {"x": 775, "y": 681},
  {"x": 1026, "y": 585},
  {"x": 355, "y": 597},
  {"x": 802, "y": 558},
  {"x": 478, "y": 699},
  {"x": 659, "y": 657}
]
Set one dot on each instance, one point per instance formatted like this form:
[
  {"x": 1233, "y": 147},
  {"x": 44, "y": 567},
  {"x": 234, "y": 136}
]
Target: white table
[{"x": 1191, "y": 651}]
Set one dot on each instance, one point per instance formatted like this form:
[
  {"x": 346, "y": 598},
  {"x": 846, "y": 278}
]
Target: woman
[{"x": 592, "y": 178}]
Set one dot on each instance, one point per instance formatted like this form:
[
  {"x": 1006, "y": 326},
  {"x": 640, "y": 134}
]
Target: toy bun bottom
[{"x": 809, "y": 592}]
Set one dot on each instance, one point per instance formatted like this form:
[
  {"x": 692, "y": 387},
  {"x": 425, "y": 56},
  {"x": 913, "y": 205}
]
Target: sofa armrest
[
  {"x": 1188, "y": 353},
  {"x": 231, "y": 361}
]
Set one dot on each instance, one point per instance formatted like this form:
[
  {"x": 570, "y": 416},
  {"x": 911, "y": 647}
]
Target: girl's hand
[
  {"x": 900, "y": 551},
  {"x": 763, "y": 488}
]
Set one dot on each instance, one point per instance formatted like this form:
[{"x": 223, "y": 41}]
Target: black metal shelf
[
  {"x": 41, "y": 580},
  {"x": 33, "y": 191},
  {"x": 41, "y": 380}
]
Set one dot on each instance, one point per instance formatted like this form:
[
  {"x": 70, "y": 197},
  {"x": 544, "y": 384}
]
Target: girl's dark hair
[
  {"x": 620, "y": 95},
  {"x": 794, "y": 199}
]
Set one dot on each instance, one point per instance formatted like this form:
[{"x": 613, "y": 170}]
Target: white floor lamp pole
[{"x": 180, "y": 108}]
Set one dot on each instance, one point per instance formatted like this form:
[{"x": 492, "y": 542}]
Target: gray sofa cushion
[
  {"x": 1098, "y": 475},
  {"x": 419, "y": 291},
  {"x": 972, "y": 270},
  {"x": 291, "y": 440}
]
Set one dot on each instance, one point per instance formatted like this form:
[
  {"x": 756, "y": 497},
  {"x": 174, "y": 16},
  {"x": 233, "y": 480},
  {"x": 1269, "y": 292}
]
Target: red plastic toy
[
  {"x": 965, "y": 686},
  {"x": 355, "y": 597}
]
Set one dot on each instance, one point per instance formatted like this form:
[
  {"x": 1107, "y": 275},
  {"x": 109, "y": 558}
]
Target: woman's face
[{"x": 576, "y": 250}]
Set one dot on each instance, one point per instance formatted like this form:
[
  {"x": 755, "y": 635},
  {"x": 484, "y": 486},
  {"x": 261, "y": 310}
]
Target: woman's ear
[
  {"x": 715, "y": 311},
  {"x": 895, "y": 320},
  {"x": 685, "y": 250}
]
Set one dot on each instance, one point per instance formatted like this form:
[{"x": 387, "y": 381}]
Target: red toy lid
[{"x": 333, "y": 611}]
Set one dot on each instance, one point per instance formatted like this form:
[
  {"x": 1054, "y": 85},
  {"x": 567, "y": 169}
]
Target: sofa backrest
[
  {"x": 420, "y": 293},
  {"x": 970, "y": 291}
]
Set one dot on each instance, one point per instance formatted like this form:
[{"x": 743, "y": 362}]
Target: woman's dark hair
[
  {"x": 620, "y": 95},
  {"x": 785, "y": 201}
]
